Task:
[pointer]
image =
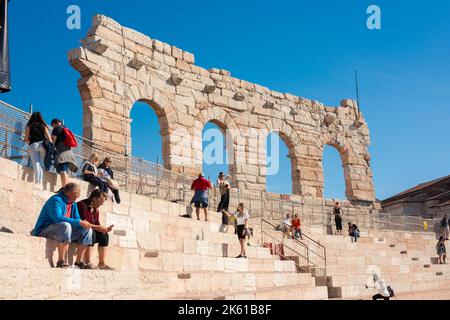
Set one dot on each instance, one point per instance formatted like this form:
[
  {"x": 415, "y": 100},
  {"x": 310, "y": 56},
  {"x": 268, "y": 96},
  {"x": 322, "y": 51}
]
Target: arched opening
[
  {"x": 279, "y": 164},
  {"x": 214, "y": 148},
  {"x": 146, "y": 137},
  {"x": 333, "y": 173}
]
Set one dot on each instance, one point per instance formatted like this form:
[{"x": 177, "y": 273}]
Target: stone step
[
  {"x": 52, "y": 283},
  {"x": 25, "y": 251},
  {"x": 282, "y": 293}
]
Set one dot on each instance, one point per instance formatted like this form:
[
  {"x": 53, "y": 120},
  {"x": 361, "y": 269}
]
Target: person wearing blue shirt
[{"x": 59, "y": 220}]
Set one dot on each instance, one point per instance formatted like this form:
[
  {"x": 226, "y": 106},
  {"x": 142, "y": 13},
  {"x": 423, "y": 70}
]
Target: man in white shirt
[
  {"x": 381, "y": 286},
  {"x": 286, "y": 225}
]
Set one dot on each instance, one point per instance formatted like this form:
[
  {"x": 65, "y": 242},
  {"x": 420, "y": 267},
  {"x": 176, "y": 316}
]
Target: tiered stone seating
[
  {"x": 156, "y": 253},
  {"x": 406, "y": 260}
]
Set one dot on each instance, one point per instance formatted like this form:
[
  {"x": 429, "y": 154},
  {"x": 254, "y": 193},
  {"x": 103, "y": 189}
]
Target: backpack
[
  {"x": 391, "y": 292},
  {"x": 70, "y": 140}
]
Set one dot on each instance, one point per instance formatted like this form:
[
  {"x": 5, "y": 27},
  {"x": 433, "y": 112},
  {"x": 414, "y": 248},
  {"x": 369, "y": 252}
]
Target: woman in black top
[
  {"x": 91, "y": 174},
  {"x": 36, "y": 133},
  {"x": 338, "y": 217}
]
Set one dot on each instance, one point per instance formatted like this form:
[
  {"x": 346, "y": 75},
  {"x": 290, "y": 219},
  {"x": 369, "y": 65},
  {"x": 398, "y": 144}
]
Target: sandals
[
  {"x": 61, "y": 264},
  {"x": 82, "y": 265}
]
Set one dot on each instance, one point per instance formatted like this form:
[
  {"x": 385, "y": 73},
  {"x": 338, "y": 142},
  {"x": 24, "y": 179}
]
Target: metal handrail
[
  {"x": 308, "y": 250},
  {"x": 267, "y": 205},
  {"x": 295, "y": 251}
]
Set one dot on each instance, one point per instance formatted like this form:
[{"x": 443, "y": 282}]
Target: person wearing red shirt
[
  {"x": 200, "y": 199},
  {"x": 296, "y": 226},
  {"x": 89, "y": 211}
]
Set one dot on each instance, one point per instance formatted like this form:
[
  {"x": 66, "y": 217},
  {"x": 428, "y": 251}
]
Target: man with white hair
[{"x": 381, "y": 286}]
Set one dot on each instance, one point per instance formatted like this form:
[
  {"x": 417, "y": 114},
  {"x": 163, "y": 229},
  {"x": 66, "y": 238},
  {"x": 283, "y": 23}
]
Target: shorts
[
  {"x": 201, "y": 204},
  {"x": 240, "y": 229},
  {"x": 62, "y": 167},
  {"x": 100, "y": 238}
]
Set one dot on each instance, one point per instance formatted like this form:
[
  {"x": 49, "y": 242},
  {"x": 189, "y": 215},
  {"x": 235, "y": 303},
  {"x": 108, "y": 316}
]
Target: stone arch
[
  {"x": 292, "y": 141},
  {"x": 164, "y": 110},
  {"x": 229, "y": 128},
  {"x": 346, "y": 154}
]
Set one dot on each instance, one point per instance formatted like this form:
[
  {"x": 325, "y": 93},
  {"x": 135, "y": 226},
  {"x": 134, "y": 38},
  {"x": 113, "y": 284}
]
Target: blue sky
[{"x": 303, "y": 47}]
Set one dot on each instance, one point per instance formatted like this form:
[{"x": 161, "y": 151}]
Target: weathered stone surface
[{"x": 119, "y": 66}]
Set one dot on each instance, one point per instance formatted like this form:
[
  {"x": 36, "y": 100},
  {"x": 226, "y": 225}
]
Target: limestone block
[
  {"x": 177, "y": 53},
  {"x": 137, "y": 62},
  {"x": 172, "y": 261},
  {"x": 188, "y": 57},
  {"x": 176, "y": 79},
  {"x": 239, "y": 96}
]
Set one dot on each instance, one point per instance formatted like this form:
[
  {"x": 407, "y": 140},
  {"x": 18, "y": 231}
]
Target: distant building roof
[{"x": 438, "y": 190}]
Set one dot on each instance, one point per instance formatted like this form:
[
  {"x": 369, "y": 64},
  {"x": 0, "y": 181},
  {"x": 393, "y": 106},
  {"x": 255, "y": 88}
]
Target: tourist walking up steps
[
  {"x": 441, "y": 250},
  {"x": 36, "y": 135},
  {"x": 338, "y": 212},
  {"x": 200, "y": 199},
  {"x": 242, "y": 226},
  {"x": 384, "y": 291},
  {"x": 59, "y": 220},
  {"x": 107, "y": 176},
  {"x": 224, "y": 189},
  {"x": 444, "y": 227},
  {"x": 64, "y": 141},
  {"x": 89, "y": 211}
]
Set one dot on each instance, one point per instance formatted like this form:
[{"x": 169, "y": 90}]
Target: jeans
[
  {"x": 96, "y": 181},
  {"x": 64, "y": 232},
  {"x": 37, "y": 158}
]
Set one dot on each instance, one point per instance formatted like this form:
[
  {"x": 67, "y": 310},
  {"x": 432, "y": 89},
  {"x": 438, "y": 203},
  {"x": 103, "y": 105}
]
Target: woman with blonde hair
[{"x": 91, "y": 174}]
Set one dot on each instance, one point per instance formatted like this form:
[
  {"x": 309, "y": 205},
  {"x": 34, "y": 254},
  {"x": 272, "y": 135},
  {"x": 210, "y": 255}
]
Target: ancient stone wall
[{"x": 120, "y": 66}]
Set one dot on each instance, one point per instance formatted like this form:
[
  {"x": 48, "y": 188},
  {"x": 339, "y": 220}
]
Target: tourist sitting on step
[
  {"x": 381, "y": 286},
  {"x": 242, "y": 226},
  {"x": 91, "y": 174},
  {"x": 65, "y": 159},
  {"x": 107, "y": 176},
  {"x": 89, "y": 211},
  {"x": 286, "y": 225},
  {"x": 200, "y": 198},
  {"x": 296, "y": 227},
  {"x": 37, "y": 137},
  {"x": 59, "y": 220},
  {"x": 338, "y": 212},
  {"x": 441, "y": 250},
  {"x": 353, "y": 232}
]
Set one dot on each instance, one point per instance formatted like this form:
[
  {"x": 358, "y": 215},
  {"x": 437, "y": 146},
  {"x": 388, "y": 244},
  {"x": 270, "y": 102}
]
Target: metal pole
[
  {"x": 31, "y": 108},
  {"x": 357, "y": 93}
]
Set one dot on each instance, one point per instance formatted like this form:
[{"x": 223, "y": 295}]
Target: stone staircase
[{"x": 156, "y": 253}]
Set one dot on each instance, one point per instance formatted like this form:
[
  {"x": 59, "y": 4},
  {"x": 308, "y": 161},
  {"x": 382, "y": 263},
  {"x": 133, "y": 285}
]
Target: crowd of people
[{"x": 55, "y": 149}]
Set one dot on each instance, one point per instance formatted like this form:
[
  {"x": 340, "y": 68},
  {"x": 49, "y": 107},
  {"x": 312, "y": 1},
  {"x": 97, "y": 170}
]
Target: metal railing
[
  {"x": 312, "y": 253},
  {"x": 136, "y": 175}
]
